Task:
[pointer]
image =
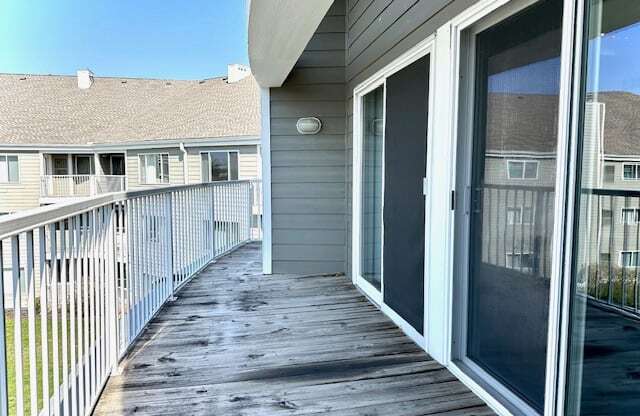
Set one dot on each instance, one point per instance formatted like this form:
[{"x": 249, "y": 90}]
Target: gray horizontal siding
[
  {"x": 308, "y": 172},
  {"x": 328, "y": 142},
  {"x": 379, "y": 31}
]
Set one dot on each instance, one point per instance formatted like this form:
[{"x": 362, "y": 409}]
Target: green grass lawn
[{"x": 11, "y": 368}]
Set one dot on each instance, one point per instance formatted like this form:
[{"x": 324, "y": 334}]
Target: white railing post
[
  {"x": 212, "y": 212},
  {"x": 92, "y": 185},
  {"x": 249, "y": 210}
]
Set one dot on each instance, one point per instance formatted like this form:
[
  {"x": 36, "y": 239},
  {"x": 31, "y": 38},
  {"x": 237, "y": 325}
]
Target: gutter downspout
[{"x": 185, "y": 167}]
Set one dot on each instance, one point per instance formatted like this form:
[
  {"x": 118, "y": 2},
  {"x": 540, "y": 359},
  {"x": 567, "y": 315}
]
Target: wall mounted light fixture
[{"x": 309, "y": 125}]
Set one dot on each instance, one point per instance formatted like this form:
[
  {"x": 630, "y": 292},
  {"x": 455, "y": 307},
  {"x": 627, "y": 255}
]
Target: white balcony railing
[
  {"x": 65, "y": 186},
  {"x": 88, "y": 276}
]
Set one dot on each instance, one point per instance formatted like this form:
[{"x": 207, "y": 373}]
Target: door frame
[
  {"x": 452, "y": 35},
  {"x": 422, "y": 49}
]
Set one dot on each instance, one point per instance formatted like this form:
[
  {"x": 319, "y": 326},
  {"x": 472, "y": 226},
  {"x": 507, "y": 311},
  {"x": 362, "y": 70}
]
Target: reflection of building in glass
[{"x": 518, "y": 195}]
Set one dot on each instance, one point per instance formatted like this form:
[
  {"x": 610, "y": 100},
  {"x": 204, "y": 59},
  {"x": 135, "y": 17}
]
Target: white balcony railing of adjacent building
[
  {"x": 68, "y": 186},
  {"x": 87, "y": 276}
]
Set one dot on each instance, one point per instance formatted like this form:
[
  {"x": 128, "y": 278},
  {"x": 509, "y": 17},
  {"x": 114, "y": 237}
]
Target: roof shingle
[{"x": 48, "y": 109}]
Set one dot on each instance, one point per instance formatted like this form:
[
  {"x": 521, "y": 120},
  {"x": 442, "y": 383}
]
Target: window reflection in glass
[{"x": 604, "y": 357}]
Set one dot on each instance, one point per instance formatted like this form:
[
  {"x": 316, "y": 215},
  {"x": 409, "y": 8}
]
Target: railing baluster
[
  {"x": 4, "y": 391},
  {"x": 112, "y": 310},
  {"x": 92, "y": 306},
  {"x": 63, "y": 318},
  {"x": 145, "y": 257},
  {"x": 73, "y": 256},
  {"x": 45, "y": 273},
  {"x": 99, "y": 262},
  {"x": 86, "y": 318},
  {"x": 104, "y": 272},
  {"x": 53, "y": 235},
  {"x": 31, "y": 323},
  {"x": 17, "y": 322}
]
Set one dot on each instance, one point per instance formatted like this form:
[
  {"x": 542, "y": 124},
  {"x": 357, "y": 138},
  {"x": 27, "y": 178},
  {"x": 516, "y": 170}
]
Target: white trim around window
[
  {"x": 7, "y": 177},
  {"x": 629, "y": 216},
  {"x": 524, "y": 169},
  {"x": 229, "y": 167},
  {"x": 635, "y": 172},
  {"x": 146, "y": 169},
  {"x": 634, "y": 255},
  {"x": 521, "y": 215}
]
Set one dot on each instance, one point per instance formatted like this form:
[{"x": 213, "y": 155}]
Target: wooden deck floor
[{"x": 240, "y": 343}]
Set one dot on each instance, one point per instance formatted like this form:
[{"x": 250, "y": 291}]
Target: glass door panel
[
  {"x": 371, "y": 198},
  {"x": 517, "y": 73},
  {"x": 604, "y": 355}
]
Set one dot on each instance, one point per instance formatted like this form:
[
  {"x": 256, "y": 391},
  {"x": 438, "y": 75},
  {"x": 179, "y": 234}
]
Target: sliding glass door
[
  {"x": 604, "y": 353},
  {"x": 513, "y": 127},
  {"x": 390, "y": 164}
]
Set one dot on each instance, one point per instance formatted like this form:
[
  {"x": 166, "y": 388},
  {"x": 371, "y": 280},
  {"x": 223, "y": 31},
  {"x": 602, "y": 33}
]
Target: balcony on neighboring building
[{"x": 71, "y": 176}]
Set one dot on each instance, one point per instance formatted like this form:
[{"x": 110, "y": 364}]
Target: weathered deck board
[{"x": 240, "y": 343}]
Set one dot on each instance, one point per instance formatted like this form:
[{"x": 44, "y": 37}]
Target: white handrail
[{"x": 98, "y": 270}]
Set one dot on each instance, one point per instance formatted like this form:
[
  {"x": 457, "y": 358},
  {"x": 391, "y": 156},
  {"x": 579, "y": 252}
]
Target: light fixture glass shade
[{"x": 309, "y": 125}]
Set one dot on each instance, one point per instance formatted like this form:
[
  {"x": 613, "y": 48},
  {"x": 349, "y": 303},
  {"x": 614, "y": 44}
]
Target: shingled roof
[
  {"x": 529, "y": 123},
  {"x": 49, "y": 110}
]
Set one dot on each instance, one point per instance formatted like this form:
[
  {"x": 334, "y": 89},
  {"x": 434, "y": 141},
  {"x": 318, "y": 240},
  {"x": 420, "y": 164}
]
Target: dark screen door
[{"x": 407, "y": 93}]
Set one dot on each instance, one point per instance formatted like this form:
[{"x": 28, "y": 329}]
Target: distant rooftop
[{"x": 53, "y": 109}]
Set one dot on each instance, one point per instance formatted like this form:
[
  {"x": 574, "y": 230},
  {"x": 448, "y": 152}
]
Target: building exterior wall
[
  {"x": 308, "y": 172},
  {"x": 25, "y": 194},
  {"x": 355, "y": 39}
]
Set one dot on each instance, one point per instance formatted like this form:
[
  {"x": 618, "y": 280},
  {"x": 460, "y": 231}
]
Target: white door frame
[
  {"x": 424, "y": 48},
  {"x": 447, "y": 122}
]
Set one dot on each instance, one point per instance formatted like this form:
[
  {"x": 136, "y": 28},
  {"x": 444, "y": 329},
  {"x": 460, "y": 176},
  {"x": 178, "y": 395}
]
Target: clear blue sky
[{"x": 189, "y": 39}]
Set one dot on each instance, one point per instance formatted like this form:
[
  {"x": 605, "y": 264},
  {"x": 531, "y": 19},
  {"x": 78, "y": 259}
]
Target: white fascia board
[
  {"x": 279, "y": 30},
  {"x": 121, "y": 147}
]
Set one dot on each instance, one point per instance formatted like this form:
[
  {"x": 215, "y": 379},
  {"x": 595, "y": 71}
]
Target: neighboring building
[
  {"x": 476, "y": 175},
  {"x": 69, "y": 137},
  {"x": 64, "y": 137}
]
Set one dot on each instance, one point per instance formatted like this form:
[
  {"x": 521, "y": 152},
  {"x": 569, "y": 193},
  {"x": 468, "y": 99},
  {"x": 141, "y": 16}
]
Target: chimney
[
  {"x": 236, "y": 72},
  {"x": 85, "y": 79}
]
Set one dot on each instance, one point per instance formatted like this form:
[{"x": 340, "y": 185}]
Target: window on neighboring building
[
  {"x": 607, "y": 216},
  {"x": 609, "y": 174},
  {"x": 631, "y": 172},
  {"x": 630, "y": 215},
  {"x": 154, "y": 168},
  {"x": 519, "y": 215},
  {"x": 219, "y": 166},
  {"x": 629, "y": 258},
  {"x": 9, "y": 171},
  {"x": 522, "y": 169}
]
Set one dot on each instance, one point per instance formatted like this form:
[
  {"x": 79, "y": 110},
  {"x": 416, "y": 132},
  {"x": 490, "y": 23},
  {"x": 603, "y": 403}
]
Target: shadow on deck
[{"x": 237, "y": 342}]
